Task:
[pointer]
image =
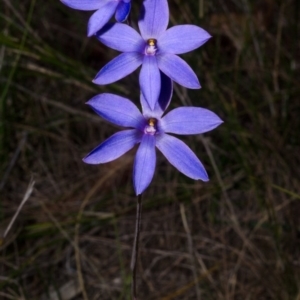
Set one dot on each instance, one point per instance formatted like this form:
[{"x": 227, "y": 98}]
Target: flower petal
[
  {"x": 122, "y": 11},
  {"x": 114, "y": 147},
  {"x": 83, "y": 4},
  {"x": 164, "y": 98},
  {"x": 117, "y": 110},
  {"x": 181, "y": 39},
  {"x": 165, "y": 95},
  {"x": 154, "y": 18},
  {"x": 121, "y": 37},
  {"x": 150, "y": 80},
  {"x": 181, "y": 157},
  {"x": 144, "y": 164},
  {"x": 101, "y": 17},
  {"x": 178, "y": 70},
  {"x": 190, "y": 120},
  {"x": 118, "y": 68}
]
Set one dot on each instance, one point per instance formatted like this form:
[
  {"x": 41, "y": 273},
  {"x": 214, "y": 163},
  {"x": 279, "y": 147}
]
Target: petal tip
[
  {"x": 138, "y": 193},
  {"x": 89, "y": 33},
  {"x": 90, "y": 160},
  {"x": 203, "y": 175},
  {"x": 218, "y": 121},
  {"x": 205, "y": 179},
  {"x": 96, "y": 81},
  {"x": 85, "y": 160},
  {"x": 195, "y": 86},
  {"x": 91, "y": 30},
  {"x": 138, "y": 190}
]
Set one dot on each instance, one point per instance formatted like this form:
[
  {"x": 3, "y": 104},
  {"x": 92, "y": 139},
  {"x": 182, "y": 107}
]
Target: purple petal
[
  {"x": 121, "y": 37},
  {"x": 83, "y": 4},
  {"x": 113, "y": 147},
  {"x": 181, "y": 157},
  {"x": 117, "y": 110},
  {"x": 182, "y": 39},
  {"x": 147, "y": 111},
  {"x": 190, "y": 120},
  {"x": 122, "y": 11},
  {"x": 165, "y": 95},
  {"x": 164, "y": 98},
  {"x": 101, "y": 17},
  {"x": 144, "y": 164},
  {"x": 154, "y": 18},
  {"x": 150, "y": 80},
  {"x": 178, "y": 70},
  {"x": 118, "y": 68}
]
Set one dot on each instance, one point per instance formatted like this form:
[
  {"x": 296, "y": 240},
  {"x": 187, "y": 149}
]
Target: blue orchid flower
[
  {"x": 105, "y": 10},
  {"x": 155, "y": 49},
  {"x": 151, "y": 129}
]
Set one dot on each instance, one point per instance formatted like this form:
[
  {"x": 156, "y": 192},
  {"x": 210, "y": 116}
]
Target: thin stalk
[{"x": 135, "y": 250}]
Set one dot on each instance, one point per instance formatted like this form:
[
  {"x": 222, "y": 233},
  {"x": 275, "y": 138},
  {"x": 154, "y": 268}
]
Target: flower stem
[{"x": 135, "y": 249}]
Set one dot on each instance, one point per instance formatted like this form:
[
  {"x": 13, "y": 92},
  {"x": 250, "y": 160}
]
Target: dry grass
[{"x": 236, "y": 237}]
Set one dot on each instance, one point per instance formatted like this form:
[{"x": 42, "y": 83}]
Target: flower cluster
[{"x": 156, "y": 50}]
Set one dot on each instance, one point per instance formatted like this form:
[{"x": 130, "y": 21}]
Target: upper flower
[
  {"x": 155, "y": 49},
  {"x": 105, "y": 10},
  {"x": 151, "y": 130}
]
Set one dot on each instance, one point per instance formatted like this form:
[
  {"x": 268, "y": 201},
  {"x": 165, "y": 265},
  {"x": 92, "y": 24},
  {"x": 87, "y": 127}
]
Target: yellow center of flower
[
  {"x": 151, "y": 127},
  {"x": 152, "y": 122},
  {"x": 151, "y": 47},
  {"x": 151, "y": 42}
]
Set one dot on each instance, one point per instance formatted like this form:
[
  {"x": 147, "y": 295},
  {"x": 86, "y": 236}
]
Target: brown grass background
[{"x": 236, "y": 237}]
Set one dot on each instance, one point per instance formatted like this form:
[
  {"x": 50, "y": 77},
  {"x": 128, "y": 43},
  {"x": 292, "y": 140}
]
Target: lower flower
[{"x": 151, "y": 130}]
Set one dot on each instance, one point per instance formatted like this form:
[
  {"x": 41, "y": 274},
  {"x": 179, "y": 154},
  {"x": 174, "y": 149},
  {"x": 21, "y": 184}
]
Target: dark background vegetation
[{"x": 236, "y": 237}]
